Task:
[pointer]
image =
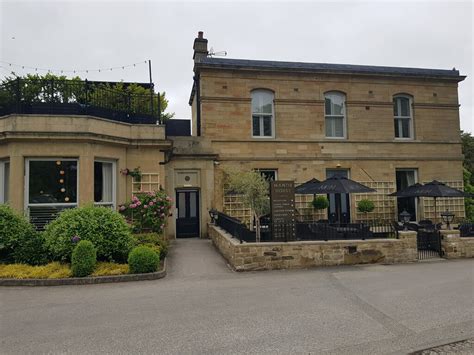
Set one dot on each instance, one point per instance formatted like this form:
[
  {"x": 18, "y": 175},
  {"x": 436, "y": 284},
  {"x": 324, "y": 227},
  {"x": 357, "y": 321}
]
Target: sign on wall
[{"x": 282, "y": 204}]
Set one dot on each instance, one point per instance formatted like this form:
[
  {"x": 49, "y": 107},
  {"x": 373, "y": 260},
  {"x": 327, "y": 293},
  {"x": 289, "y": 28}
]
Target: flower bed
[{"x": 56, "y": 270}]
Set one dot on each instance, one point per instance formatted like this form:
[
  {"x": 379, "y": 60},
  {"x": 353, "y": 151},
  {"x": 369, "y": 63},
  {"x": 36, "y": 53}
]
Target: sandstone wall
[
  {"x": 302, "y": 254},
  {"x": 455, "y": 247}
]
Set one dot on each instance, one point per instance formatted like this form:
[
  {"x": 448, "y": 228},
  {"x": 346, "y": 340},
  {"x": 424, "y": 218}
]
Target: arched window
[
  {"x": 403, "y": 117},
  {"x": 263, "y": 118},
  {"x": 335, "y": 114}
]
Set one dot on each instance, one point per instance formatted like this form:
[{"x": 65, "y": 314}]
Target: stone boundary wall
[
  {"x": 302, "y": 254},
  {"x": 455, "y": 247}
]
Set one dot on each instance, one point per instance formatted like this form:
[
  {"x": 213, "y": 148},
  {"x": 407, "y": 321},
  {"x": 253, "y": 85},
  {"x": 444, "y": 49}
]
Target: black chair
[
  {"x": 425, "y": 222},
  {"x": 427, "y": 225},
  {"x": 466, "y": 229},
  {"x": 413, "y": 227},
  {"x": 397, "y": 226}
]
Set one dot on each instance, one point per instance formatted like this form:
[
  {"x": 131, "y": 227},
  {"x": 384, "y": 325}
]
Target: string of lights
[{"x": 74, "y": 71}]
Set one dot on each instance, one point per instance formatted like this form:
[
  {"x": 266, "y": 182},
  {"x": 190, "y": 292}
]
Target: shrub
[
  {"x": 105, "y": 228},
  {"x": 19, "y": 241},
  {"x": 83, "y": 259},
  {"x": 365, "y": 206},
  {"x": 153, "y": 240},
  {"x": 320, "y": 202},
  {"x": 148, "y": 211},
  {"x": 53, "y": 270},
  {"x": 143, "y": 260},
  {"x": 107, "y": 269}
]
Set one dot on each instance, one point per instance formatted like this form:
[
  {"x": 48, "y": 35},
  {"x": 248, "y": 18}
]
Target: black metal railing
[
  {"x": 76, "y": 97},
  {"x": 235, "y": 227},
  {"x": 333, "y": 231},
  {"x": 286, "y": 232}
]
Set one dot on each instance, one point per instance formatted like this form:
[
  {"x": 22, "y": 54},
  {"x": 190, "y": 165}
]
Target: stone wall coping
[
  {"x": 236, "y": 242},
  {"x": 450, "y": 233},
  {"x": 90, "y": 280},
  {"x": 407, "y": 232}
]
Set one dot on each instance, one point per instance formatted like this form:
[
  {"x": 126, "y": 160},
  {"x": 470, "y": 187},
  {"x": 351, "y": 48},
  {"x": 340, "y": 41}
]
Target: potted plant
[
  {"x": 365, "y": 206},
  {"x": 320, "y": 202}
]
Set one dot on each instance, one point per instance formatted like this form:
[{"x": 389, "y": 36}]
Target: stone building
[
  {"x": 382, "y": 126},
  {"x": 385, "y": 127}
]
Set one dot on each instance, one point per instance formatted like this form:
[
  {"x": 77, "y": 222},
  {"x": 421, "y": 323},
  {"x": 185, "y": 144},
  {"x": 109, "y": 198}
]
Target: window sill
[
  {"x": 404, "y": 139},
  {"x": 336, "y": 138},
  {"x": 263, "y": 137}
]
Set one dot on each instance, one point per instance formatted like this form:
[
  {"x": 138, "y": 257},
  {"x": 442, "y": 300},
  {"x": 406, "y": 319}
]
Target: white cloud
[{"x": 109, "y": 33}]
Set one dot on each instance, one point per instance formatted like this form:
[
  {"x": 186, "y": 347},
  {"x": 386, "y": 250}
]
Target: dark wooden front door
[
  {"x": 339, "y": 208},
  {"x": 187, "y": 220}
]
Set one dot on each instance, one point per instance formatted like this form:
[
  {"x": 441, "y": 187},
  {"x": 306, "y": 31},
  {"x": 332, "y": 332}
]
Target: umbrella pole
[{"x": 436, "y": 214}]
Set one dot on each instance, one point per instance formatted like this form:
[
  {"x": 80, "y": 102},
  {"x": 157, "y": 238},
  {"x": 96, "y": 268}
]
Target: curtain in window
[
  {"x": 107, "y": 182},
  {"x": 262, "y": 113},
  {"x": 6, "y": 181},
  {"x": 410, "y": 177},
  {"x": 334, "y": 114}
]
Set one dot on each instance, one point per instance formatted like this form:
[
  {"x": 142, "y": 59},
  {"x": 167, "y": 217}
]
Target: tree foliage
[
  {"x": 468, "y": 150},
  {"x": 320, "y": 202},
  {"x": 467, "y": 141},
  {"x": 254, "y": 190},
  {"x": 365, "y": 206}
]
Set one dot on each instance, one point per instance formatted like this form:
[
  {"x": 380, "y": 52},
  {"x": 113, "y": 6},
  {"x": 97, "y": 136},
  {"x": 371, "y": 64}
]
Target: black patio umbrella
[
  {"x": 406, "y": 192},
  {"x": 433, "y": 189},
  {"x": 303, "y": 188},
  {"x": 338, "y": 185}
]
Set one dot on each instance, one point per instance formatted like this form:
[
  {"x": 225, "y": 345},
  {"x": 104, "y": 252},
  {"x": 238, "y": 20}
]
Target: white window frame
[
  {"x": 3, "y": 187},
  {"x": 112, "y": 204},
  {"x": 344, "y": 115},
  {"x": 399, "y": 117},
  {"x": 262, "y": 115},
  {"x": 27, "y": 184}
]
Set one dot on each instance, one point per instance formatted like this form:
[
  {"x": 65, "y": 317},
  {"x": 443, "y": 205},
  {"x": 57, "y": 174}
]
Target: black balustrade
[
  {"x": 318, "y": 231},
  {"x": 75, "y": 97}
]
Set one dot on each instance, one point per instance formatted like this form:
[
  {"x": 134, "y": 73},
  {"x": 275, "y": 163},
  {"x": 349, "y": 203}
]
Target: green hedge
[
  {"x": 84, "y": 258},
  {"x": 143, "y": 260},
  {"x": 105, "y": 228},
  {"x": 153, "y": 240},
  {"x": 19, "y": 241}
]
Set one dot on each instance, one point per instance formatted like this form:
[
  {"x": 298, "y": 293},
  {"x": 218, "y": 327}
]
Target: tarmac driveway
[{"x": 203, "y": 307}]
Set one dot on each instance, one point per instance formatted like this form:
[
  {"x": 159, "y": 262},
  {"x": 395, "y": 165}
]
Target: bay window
[{"x": 51, "y": 185}]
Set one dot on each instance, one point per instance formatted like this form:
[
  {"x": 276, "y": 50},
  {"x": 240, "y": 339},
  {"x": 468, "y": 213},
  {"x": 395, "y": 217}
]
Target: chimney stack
[{"x": 200, "y": 47}]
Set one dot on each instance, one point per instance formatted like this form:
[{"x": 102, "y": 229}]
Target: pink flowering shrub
[{"x": 148, "y": 211}]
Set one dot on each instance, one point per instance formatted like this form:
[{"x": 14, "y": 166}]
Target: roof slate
[{"x": 326, "y": 68}]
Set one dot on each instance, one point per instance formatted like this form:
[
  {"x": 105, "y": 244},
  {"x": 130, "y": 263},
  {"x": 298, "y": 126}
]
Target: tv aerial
[{"x": 216, "y": 54}]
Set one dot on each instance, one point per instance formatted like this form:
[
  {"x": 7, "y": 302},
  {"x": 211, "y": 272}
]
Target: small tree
[
  {"x": 320, "y": 202},
  {"x": 365, "y": 206},
  {"x": 254, "y": 190}
]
